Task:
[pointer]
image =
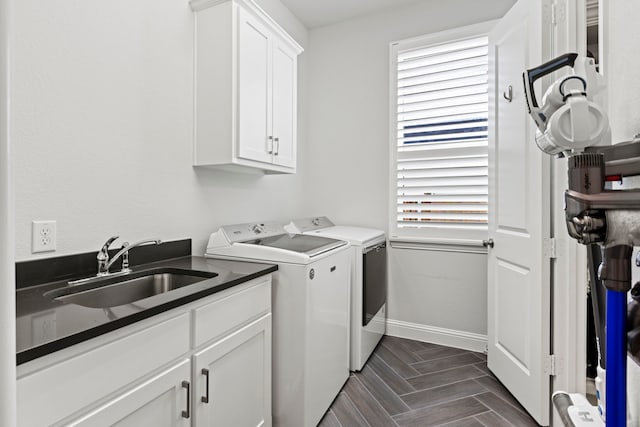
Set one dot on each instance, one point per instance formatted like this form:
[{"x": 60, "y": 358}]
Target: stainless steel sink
[{"x": 105, "y": 292}]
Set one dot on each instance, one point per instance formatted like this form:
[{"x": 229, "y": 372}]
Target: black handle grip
[
  {"x": 566, "y": 60},
  {"x": 187, "y": 413},
  {"x": 205, "y": 398},
  {"x": 488, "y": 243}
]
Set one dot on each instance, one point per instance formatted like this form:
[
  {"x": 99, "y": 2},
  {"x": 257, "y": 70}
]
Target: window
[{"x": 439, "y": 136}]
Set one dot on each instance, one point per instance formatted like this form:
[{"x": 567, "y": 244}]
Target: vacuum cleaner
[{"x": 599, "y": 212}]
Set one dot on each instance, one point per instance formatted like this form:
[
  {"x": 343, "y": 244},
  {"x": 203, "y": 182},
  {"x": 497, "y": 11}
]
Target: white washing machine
[
  {"x": 310, "y": 314},
  {"x": 368, "y": 281}
]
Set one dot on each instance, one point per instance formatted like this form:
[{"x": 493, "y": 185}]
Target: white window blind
[{"x": 442, "y": 138}]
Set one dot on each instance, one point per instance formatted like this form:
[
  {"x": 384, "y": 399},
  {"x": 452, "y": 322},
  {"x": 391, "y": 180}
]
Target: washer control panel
[
  {"x": 309, "y": 224},
  {"x": 250, "y": 231}
]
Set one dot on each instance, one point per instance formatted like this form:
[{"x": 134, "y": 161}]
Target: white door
[
  {"x": 519, "y": 220},
  {"x": 254, "y": 89},
  {"x": 159, "y": 402},
  {"x": 233, "y": 379},
  {"x": 284, "y": 105}
]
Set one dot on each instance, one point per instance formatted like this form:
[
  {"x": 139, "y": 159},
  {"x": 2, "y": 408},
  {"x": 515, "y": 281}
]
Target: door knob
[{"x": 487, "y": 243}]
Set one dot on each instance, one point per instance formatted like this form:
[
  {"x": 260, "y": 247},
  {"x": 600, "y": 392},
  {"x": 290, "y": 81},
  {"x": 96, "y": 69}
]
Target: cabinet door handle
[
  {"x": 276, "y": 143},
  {"x": 187, "y": 413},
  {"x": 205, "y": 398},
  {"x": 270, "y": 144}
]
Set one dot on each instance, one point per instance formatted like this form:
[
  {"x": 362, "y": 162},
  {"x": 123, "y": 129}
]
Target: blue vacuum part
[{"x": 616, "y": 350}]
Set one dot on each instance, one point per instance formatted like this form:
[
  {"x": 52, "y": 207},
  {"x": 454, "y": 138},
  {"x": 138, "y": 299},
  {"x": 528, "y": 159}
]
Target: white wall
[
  {"x": 102, "y": 128},
  {"x": 348, "y": 149},
  {"x": 438, "y": 289}
]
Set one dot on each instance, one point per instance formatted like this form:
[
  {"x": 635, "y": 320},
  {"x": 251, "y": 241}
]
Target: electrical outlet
[{"x": 43, "y": 236}]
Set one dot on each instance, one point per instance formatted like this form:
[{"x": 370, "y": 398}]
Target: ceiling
[{"x": 317, "y": 13}]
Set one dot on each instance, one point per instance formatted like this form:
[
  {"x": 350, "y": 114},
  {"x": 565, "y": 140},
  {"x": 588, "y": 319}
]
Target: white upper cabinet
[
  {"x": 245, "y": 88},
  {"x": 255, "y": 93},
  {"x": 284, "y": 105}
]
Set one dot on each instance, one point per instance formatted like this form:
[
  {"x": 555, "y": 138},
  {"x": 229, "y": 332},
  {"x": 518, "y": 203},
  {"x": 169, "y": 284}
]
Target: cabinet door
[
  {"x": 237, "y": 371},
  {"x": 255, "y": 139},
  {"x": 158, "y": 402},
  {"x": 284, "y": 105}
]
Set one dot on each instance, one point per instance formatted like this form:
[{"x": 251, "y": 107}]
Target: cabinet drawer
[
  {"x": 214, "y": 319},
  {"x": 47, "y": 396}
]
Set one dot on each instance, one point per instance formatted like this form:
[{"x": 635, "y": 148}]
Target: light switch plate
[{"x": 43, "y": 236}]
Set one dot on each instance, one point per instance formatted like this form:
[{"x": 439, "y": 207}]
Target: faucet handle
[
  {"x": 125, "y": 257},
  {"x": 103, "y": 254}
]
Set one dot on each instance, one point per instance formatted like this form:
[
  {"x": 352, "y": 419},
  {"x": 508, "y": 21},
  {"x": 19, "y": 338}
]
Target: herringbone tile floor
[{"x": 411, "y": 383}]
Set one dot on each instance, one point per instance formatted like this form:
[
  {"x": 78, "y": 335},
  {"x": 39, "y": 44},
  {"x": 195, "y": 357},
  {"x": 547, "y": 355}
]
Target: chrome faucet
[
  {"x": 103, "y": 256},
  {"x": 104, "y": 263}
]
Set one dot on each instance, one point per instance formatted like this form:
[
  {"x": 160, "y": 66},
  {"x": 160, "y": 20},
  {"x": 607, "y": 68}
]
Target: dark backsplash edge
[{"x": 44, "y": 270}]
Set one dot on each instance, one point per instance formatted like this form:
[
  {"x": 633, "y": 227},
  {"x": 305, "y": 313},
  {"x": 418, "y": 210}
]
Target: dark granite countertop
[{"x": 45, "y": 325}]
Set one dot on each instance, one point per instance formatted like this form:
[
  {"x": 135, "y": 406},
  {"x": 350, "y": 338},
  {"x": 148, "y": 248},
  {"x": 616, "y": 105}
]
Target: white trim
[
  {"x": 436, "y": 335},
  {"x": 603, "y": 48},
  {"x": 434, "y": 241},
  {"x": 7, "y": 226},
  {"x": 439, "y": 246},
  {"x": 569, "y": 270},
  {"x": 447, "y": 36}
]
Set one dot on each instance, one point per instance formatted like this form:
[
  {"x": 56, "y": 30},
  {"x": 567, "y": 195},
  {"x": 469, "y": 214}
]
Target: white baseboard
[{"x": 435, "y": 335}]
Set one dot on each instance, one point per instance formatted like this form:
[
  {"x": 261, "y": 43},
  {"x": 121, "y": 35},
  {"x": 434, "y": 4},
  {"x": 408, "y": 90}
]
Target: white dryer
[
  {"x": 368, "y": 281},
  {"x": 310, "y": 312}
]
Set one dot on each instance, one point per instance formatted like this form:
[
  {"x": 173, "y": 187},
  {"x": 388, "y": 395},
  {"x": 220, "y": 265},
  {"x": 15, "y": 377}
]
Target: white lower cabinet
[
  {"x": 159, "y": 402},
  {"x": 207, "y": 363},
  {"x": 232, "y": 385}
]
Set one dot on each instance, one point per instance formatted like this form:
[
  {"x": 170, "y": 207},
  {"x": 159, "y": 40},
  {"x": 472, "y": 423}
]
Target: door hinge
[
  {"x": 551, "y": 365},
  {"x": 549, "y": 248}
]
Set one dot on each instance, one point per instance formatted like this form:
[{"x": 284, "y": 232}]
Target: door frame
[{"x": 569, "y": 268}]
